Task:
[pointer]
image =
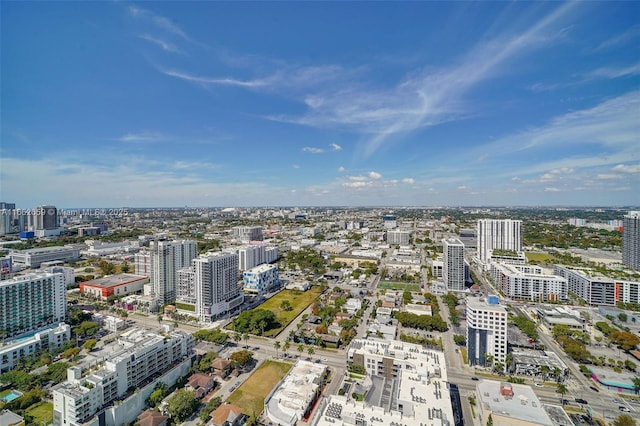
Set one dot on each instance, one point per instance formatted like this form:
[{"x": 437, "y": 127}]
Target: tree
[
  {"x": 237, "y": 337},
  {"x": 182, "y": 404},
  {"x": 211, "y": 405},
  {"x": 90, "y": 344},
  {"x": 636, "y": 384},
  {"x": 125, "y": 267},
  {"x": 490, "y": 420},
  {"x": 157, "y": 395},
  {"x": 459, "y": 339},
  {"x": 624, "y": 339},
  {"x": 241, "y": 358},
  {"x": 286, "y": 305},
  {"x": 107, "y": 268},
  {"x": 276, "y": 346},
  {"x": 624, "y": 420},
  {"x": 310, "y": 350},
  {"x": 286, "y": 346},
  {"x": 245, "y": 337},
  {"x": 301, "y": 348},
  {"x": 561, "y": 389}
]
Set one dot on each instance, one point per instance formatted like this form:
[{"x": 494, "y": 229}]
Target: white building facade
[
  {"x": 631, "y": 240},
  {"x": 166, "y": 258},
  {"x": 486, "y": 331},
  {"x": 31, "y": 302},
  {"x": 261, "y": 278},
  {"x": 453, "y": 264},
  {"x": 398, "y": 237},
  {"x": 15, "y": 351},
  {"x": 216, "y": 285},
  {"x": 526, "y": 282},
  {"x": 502, "y": 234}
]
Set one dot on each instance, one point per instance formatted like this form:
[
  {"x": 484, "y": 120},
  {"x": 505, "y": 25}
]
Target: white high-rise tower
[
  {"x": 503, "y": 234},
  {"x": 166, "y": 258},
  {"x": 453, "y": 264}
]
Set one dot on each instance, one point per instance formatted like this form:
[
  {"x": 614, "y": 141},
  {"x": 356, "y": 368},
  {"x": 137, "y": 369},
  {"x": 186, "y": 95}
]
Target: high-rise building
[
  {"x": 142, "y": 264},
  {"x": 247, "y": 233},
  {"x": 216, "y": 285},
  {"x": 453, "y": 264},
  {"x": 502, "y": 234},
  {"x": 31, "y": 302},
  {"x": 528, "y": 282},
  {"x": 631, "y": 240},
  {"x": 46, "y": 217},
  {"x": 398, "y": 237},
  {"x": 389, "y": 221},
  {"x": 486, "y": 330},
  {"x": 7, "y": 211},
  {"x": 166, "y": 258}
]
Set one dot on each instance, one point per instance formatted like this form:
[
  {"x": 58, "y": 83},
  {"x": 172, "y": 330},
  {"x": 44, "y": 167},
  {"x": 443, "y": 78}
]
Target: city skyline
[{"x": 308, "y": 104}]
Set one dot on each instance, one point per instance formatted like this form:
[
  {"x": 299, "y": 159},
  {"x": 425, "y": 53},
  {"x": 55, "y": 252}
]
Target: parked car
[{"x": 623, "y": 408}]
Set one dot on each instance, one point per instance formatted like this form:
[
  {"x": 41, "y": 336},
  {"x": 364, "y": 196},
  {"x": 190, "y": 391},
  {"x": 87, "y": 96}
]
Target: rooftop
[
  {"x": 520, "y": 403},
  {"x": 115, "y": 280}
]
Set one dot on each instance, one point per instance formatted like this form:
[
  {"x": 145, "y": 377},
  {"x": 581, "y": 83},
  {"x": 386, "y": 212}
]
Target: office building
[
  {"x": 453, "y": 264},
  {"x": 261, "y": 279},
  {"x": 389, "y": 221},
  {"x": 526, "y": 282},
  {"x": 142, "y": 264},
  {"x": 246, "y": 234},
  {"x": 510, "y": 404},
  {"x": 216, "y": 285},
  {"x": 166, "y": 258},
  {"x": 32, "y": 258},
  {"x": 631, "y": 240},
  {"x": 15, "y": 351},
  {"x": 500, "y": 234},
  {"x": 141, "y": 357},
  {"x": 31, "y": 302},
  {"x": 486, "y": 330},
  {"x": 45, "y": 218},
  {"x": 397, "y": 237}
]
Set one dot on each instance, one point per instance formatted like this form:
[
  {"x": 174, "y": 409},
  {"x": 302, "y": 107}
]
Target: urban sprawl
[{"x": 323, "y": 316}]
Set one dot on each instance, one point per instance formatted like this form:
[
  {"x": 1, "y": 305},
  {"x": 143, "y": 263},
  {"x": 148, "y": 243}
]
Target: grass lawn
[
  {"x": 185, "y": 307},
  {"x": 42, "y": 413},
  {"x": 538, "y": 257},
  {"x": 250, "y": 396},
  {"x": 299, "y": 301},
  {"x": 399, "y": 286},
  {"x": 465, "y": 357}
]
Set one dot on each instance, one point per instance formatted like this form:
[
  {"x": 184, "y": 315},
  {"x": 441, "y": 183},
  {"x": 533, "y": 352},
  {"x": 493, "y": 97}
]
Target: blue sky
[{"x": 320, "y": 103}]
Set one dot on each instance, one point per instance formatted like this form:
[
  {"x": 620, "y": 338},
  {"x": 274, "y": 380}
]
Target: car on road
[
  {"x": 617, "y": 400},
  {"x": 623, "y": 408},
  {"x": 475, "y": 379},
  {"x": 593, "y": 388},
  {"x": 581, "y": 401},
  {"x": 538, "y": 385}
]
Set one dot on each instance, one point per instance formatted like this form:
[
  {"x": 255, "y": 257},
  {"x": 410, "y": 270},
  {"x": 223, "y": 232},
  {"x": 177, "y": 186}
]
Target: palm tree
[
  {"x": 544, "y": 370},
  {"x": 310, "y": 350},
  {"x": 292, "y": 335},
  {"x": 276, "y": 346},
  {"x": 561, "y": 389},
  {"x": 286, "y": 346},
  {"x": 237, "y": 337},
  {"x": 557, "y": 372},
  {"x": 301, "y": 348},
  {"x": 636, "y": 384},
  {"x": 245, "y": 337}
]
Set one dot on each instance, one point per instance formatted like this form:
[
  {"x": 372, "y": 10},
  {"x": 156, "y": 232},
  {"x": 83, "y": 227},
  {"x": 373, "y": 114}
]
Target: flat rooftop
[
  {"x": 115, "y": 280},
  {"x": 523, "y": 405}
]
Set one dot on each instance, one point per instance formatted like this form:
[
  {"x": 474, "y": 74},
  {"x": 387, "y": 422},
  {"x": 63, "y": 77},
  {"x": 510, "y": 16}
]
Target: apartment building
[
  {"x": 14, "y": 351},
  {"x": 247, "y": 233},
  {"x": 486, "y": 330},
  {"x": 453, "y": 264},
  {"x": 502, "y": 234},
  {"x": 526, "y": 282},
  {"x": 31, "y": 302},
  {"x": 631, "y": 240},
  {"x": 216, "y": 285},
  {"x": 166, "y": 258},
  {"x": 261, "y": 278},
  {"x": 143, "y": 356},
  {"x": 398, "y": 237}
]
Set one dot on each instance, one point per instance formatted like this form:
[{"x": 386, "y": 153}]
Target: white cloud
[
  {"x": 356, "y": 184},
  {"x": 608, "y": 176},
  {"x": 409, "y": 181},
  {"x": 341, "y": 169},
  {"x": 623, "y": 168},
  {"x": 312, "y": 150},
  {"x": 166, "y": 46},
  {"x": 191, "y": 165},
  {"x": 375, "y": 175},
  {"x": 335, "y": 147},
  {"x": 295, "y": 166},
  {"x": 461, "y": 187},
  {"x": 357, "y": 178},
  {"x": 141, "y": 137},
  {"x": 625, "y": 36},
  {"x": 551, "y": 189},
  {"x": 159, "y": 21},
  {"x": 615, "y": 72}
]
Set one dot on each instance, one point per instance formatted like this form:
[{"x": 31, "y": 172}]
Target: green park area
[
  {"x": 42, "y": 413},
  {"x": 399, "y": 286},
  {"x": 286, "y": 312},
  {"x": 250, "y": 396},
  {"x": 538, "y": 258}
]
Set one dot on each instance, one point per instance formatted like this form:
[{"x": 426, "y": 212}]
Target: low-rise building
[
  {"x": 561, "y": 315},
  {"x": 526, "y": 282},
  {"x": 295, "y": 395},
  {"x": 535, "y": 363},
  {"x": 32, "y": 258},
  {"x": 15, "y": 351},
  {"x": 115, "y": 285},
  {"x": 510, "y": 404}
]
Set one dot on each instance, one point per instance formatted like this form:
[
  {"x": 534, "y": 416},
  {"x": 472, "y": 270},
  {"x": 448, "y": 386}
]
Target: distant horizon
[{"x": 320, "y": 103}]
